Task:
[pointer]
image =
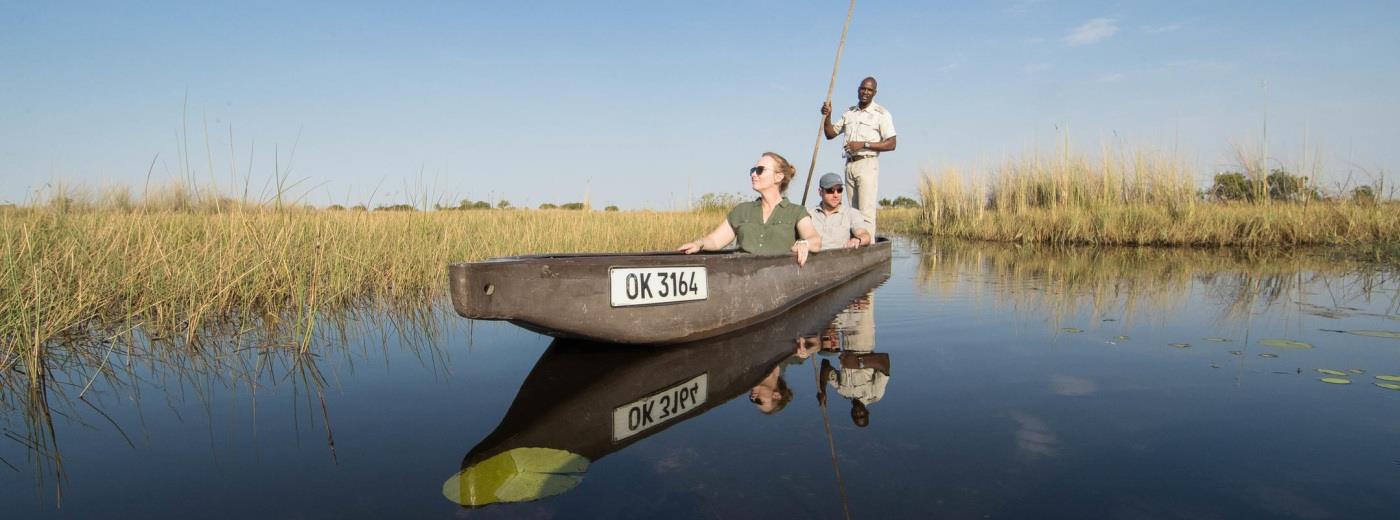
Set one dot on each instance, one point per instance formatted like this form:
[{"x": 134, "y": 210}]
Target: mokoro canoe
[
  {"x": 664, "y": 297},
  {"x": 583, "y": 401}
]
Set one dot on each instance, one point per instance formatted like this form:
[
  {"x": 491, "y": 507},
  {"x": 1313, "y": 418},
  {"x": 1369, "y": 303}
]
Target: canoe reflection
[{"x": 585, "y": 400}]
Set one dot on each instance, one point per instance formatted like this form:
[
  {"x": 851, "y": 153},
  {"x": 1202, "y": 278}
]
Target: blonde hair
[{"x": 785, "y": 168}]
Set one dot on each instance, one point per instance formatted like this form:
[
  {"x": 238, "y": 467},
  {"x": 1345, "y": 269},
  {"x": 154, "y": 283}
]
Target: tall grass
[{"x": 1128, "y": 198}]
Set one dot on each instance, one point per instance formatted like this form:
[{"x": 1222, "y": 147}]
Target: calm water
[{"x": 977, "y": 381}]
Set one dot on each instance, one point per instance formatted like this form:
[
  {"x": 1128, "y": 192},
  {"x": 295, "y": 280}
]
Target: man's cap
[{"x": 829, "y": 180}]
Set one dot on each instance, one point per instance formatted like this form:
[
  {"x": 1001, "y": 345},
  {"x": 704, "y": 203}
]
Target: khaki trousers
[{"x": 863, "y": 181}]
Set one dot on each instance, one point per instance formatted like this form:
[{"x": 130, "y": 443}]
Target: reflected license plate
[
  {"x": 659, "y": 408},
  {"x": 653, "y": 285}
]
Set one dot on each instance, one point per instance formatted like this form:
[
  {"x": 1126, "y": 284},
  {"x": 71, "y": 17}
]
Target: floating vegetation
[
  {"x": 1213, "y": 365},
  {"x": 1357, "y": 371},
  {"x": 1220, "y": 340},
  {"x": 1386, "y": 377},
  {"x": 1285, "y": 343},
  {"x": 1336, "y": 380},
  {"x": 1179, "y": 345},
  {"x": 1268, "y": 355},
  {"x": 518, "y": 475},
  {"x": 1331, "y": 372},
  {"x": 1376, "y": 333},
  {"x": 1071, "y": 330},
  {"x": 1121, "y": 337},
  {"x": 1236, "y": 352},
  {"x": 1388, "y": 386}
]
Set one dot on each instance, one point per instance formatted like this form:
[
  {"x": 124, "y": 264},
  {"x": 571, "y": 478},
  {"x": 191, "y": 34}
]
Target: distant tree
[
  {"x": 336, "y": 207},
  {"x": 548, "y": 206},
  {"x": 397, "y": 207},
  {"x": 503, "y": 204},
  {"x": 1364, "y": 195},
  {"x": 1231, "y": 186},
  {"x": 573, "y": 206},
  {"x": 885, "y": 203},
  {"x": 610, "y": 208},
  {"x": 481, "y": 204},
  {"x": 358, "y": 207},
  {"x": 904, "y": 202},
  {"x": 717, "y": 201},
  {"x": 1288, "y": 187}
]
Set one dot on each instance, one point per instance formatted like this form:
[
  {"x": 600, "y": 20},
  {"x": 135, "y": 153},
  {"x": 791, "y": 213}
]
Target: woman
[{"x": 767, "y": 225}]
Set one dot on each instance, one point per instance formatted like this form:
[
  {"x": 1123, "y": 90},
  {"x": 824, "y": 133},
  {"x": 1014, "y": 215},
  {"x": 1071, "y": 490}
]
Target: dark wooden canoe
[
  {"x": 572, "y": 296},
  {"x": 567, "y": 403}
]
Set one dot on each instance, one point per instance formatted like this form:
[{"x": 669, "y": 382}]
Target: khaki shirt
[
  {"x": 839, "y": 226},
  {"x": 773, "y": 237},
  {"x": 872, "y": 124}
]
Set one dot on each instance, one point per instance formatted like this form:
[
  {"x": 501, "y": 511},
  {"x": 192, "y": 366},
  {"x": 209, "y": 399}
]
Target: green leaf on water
[
  {"x": 1335, "y": 380},
  {"x": 1388, "y": 386},
  {"x": 1071, "y": 330},
  {"x": 1357, "y": 371},
  {"x": 1220, "y": 340},
  {"x": 518, "y": 475},
  {"x": 1385, "y": 377},
  {"x": 1376, "y": 333},
  {"x": 1213, "y": 365},
  {"x": 1179, "y": 345},
  {"x": 1285, "y": 343},
  {"x": 1121, "y": 337},
  {"x": 1268, "y": 355},
  {"x": 1331, "y": 372},
  {"x": 1236, "y": 352}
]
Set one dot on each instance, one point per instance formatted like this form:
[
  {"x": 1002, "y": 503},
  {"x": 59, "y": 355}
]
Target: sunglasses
[
  {"x": 756, "y": 170},
  {"x": 834, "y": 189}
]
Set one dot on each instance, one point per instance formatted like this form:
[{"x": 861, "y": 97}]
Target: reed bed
[{"x": 1130, "y": 198}]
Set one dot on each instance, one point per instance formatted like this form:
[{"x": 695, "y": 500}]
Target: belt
[{"x": 855, "y": 158}]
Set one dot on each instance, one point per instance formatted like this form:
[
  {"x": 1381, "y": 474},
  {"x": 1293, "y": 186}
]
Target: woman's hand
[
  {"x": 691, "y": 247},
  {"x": 801, "y": 249}
]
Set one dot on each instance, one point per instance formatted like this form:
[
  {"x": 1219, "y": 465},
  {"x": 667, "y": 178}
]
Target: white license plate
[
  {"x": 653, "y": 285},
  {"x": 659, "y": 408}
]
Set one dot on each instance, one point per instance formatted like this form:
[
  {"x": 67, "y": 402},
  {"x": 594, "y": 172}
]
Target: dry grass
[{"x": 1136, "y": 198}]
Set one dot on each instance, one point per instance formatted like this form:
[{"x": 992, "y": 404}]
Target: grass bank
[
  {"x": 177, "y": 273},
  {"x": 1135, "y": 199}
]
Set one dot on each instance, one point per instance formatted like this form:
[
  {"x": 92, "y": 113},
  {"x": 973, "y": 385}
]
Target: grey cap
[{"x": 829, "y": 180}]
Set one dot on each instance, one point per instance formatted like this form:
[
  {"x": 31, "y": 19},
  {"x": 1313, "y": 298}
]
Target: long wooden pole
[
  {"x": 831, "y": 443},
  {"x": 830, "y": 87}
]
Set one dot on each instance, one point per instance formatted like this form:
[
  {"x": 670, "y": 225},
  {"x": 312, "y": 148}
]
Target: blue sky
[{"x": 649, "y": 104}]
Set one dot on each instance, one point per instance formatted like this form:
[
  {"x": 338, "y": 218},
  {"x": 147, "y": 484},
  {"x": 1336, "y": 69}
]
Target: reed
[{"x": 1129, "y": 198}]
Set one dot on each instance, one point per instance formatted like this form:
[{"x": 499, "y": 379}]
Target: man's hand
[
  {"x": 853, "y": 242},
  {"x": 852, "y": 146},
  {"x": 826, "y": 108}
]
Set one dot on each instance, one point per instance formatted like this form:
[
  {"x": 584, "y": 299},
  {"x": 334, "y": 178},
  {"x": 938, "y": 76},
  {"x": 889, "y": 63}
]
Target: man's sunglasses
[{"x": 833, "y": 189}]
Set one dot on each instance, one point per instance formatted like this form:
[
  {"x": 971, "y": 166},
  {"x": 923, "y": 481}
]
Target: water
[{"x": 1020, "y": 383}]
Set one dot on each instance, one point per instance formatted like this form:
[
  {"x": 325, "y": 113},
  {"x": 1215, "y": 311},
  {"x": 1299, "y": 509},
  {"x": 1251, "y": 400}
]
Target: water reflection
[{"x": 583, "y": 401}]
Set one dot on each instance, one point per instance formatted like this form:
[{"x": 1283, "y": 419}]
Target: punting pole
[
  {"x": 831, "y": 442},
  {"x": 830, "y": 87}
]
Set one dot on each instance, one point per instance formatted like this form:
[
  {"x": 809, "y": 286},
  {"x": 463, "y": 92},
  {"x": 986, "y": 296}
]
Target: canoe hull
[{"x": 568, "y": 296}]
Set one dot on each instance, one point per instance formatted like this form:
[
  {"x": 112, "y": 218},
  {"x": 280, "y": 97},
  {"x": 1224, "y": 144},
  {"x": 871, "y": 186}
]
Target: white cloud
[
  {"x": 1111, "y": 77},
  {"x": 1035, "y": 68},
  {"x": 1093, "y": 31},
  {"x": 1159, "y": 29}
]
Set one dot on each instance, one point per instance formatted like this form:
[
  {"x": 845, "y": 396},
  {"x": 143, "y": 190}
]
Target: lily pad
[
  {"x": 1121, "y": 337},
  {"x": 1357, "y": 371},
  {"x": 1385, "y": 377},
  {"x": 1071, "y": 330},
  {"x": 1388, "y": 386},
  {"x": 1236, "y": 352},
  {"x": 1268, "y": 355},
  {"x": 518, "y": 475},
  {"x": 1336, "y": 380},
  {"x": 1331, "y": 372},
  {"x": 1179, "y": 345},
  {"x": 1213, "y": 365},
  {"x": 1220, "y": 340},
  {"x": 1376, "y": 333},
  {"x": 1285, "y": 343}
]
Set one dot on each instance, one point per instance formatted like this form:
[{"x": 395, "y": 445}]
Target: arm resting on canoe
[
  {"x": 720, "y": 237},
  {"x": 811, "y": 240}
]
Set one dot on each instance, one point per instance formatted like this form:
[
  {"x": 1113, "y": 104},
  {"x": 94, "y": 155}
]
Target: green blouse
[{"x": 766, "y": 238}]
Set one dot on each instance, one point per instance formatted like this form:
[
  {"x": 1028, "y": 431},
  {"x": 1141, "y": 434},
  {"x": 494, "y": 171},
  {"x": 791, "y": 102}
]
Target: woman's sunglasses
[
  {"x": 833, "y": 189},
  {"x": 756, "y": 170}
]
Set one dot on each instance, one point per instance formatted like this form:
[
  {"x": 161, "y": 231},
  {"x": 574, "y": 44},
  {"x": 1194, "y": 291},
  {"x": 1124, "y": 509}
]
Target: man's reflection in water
[{"x": 861, "y": 373}]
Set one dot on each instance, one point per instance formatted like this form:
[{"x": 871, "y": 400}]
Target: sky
[{"x": 651, "y": 104}]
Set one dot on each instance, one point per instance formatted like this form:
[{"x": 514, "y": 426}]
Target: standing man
[
  {"x": 869, "y": 130},
  {"x": 839, "y": 226}
]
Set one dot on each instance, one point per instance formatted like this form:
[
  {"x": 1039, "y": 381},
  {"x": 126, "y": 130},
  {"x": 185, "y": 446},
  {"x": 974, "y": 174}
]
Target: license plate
[
  {"x": 653, "y": 285},
  {"x": 659, "y": 408}
]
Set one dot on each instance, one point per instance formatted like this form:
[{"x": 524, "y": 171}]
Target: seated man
[{"x": 839, "y": 226}]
